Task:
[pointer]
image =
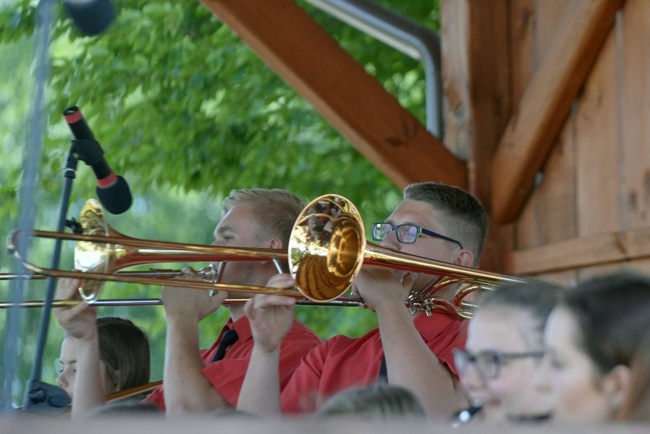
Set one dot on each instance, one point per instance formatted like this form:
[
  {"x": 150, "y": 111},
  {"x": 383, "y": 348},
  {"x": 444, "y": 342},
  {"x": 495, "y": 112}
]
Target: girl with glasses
[{"x": 503, "y": 350}]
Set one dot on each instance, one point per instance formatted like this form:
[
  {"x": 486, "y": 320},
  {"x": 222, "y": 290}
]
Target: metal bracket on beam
[{"x": 405, "y": 35}]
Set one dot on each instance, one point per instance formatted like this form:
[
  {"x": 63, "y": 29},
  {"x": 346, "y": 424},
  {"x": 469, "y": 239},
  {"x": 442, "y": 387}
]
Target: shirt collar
[{"x": 241, "y": 326}]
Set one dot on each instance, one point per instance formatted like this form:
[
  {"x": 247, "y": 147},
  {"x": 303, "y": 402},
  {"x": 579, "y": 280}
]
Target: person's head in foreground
[
  {"x": 379, "y": 401},
  {"x": 127, "y": 409},
  {"x": 593, "y": 338},
  {"x": 504, "y": 349}
]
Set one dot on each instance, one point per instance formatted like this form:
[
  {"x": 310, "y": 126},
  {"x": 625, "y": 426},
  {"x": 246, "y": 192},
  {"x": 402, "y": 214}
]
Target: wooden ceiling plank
[
  {"x": 351, "y": 100},
  {"x": 529, "y": 136}
]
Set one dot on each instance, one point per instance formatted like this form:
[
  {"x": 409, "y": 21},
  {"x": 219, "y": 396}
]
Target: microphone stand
[{"x": 42, "y": 397}]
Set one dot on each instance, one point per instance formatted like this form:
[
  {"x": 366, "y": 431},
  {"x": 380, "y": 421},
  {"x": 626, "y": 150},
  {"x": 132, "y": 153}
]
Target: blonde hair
[{"x": 275, "y": 210}]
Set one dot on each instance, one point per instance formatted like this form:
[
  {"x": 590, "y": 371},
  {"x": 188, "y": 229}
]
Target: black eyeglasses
[
  {"x": 488, "y": 363},
  {"x": 406, "y": 233}
]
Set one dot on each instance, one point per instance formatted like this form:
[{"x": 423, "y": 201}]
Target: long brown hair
[{"x": 124, "y": 349}]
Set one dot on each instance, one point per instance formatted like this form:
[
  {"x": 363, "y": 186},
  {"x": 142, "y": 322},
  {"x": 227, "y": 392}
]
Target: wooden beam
[
  {"x": 354, "y": 102},
  {"x": 546, "y": 103},
  {"x": 477, "y": 98},
  {"x": 580, "y": 252}
]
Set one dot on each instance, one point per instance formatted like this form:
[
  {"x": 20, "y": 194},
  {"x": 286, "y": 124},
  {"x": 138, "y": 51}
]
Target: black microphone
[
  {"x": 91, "y": 17},
  {"x": 112, "y": 190}
]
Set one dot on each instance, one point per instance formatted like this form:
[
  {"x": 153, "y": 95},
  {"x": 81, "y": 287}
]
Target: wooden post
[
  {"x": 546, "y": 103},
  {"x": 476, "y": 80}
]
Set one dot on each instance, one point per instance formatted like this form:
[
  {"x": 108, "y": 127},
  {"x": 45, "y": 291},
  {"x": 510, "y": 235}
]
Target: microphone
[
  {"x": 91, "y": 17},
  {"x": 112, "y": 190}
]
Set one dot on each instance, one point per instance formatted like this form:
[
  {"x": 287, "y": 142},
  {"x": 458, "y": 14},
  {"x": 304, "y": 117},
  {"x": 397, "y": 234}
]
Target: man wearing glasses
[{"x": 434, "y": 221}]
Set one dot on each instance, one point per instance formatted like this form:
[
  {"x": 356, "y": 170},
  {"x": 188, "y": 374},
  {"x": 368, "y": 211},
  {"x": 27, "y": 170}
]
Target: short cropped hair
[
  {"x": 124, "y": 349},
  {"x": 275, "y": 210},
  {"x": 464, "y": 218}
]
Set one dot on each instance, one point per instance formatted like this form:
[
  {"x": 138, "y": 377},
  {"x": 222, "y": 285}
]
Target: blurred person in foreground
[
  {"x": 379, "y": 401},
  {"x": 592, "y": 339},
  {"x": 505, "y": 344}
]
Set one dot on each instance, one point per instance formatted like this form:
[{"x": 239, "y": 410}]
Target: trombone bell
[
  {"x": 89, "y": 256},
  {"x": 326, "y": 248}
]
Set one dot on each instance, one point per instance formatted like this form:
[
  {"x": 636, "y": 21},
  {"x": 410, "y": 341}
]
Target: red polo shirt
[
  {"x": 341, "y": 362},
  {"x": 227, "y": 375}
]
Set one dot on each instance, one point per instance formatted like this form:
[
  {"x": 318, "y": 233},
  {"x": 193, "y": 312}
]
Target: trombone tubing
[
  {"x": 380, "y": 256},
  {"x": 344, "y": 301},
  {"x": 207, "y": 252},
  {"x": 150, "y": 273},
  {"x": 171, "y": 282}
]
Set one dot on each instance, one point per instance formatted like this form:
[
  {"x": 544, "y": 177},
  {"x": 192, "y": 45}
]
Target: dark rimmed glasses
[
  {"x": 406, "y": 233},
  {"x": 488, "y": 363}
]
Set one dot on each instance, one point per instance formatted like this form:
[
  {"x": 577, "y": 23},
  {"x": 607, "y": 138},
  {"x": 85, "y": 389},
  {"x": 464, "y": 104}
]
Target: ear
[
  {"x": 465, "y": 258},
  {"x": 118, "y": 381},
  {"x": 616, "y": 386},
  {"x": 275, "y": 243}
]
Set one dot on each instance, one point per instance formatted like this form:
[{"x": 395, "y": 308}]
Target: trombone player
[
  {"x": 210, "y": 380},
  {"x": 435, "y": 221}
]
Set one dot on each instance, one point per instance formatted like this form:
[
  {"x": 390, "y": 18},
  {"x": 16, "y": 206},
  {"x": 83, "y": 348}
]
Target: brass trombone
[{"x": 327, "y": 249}]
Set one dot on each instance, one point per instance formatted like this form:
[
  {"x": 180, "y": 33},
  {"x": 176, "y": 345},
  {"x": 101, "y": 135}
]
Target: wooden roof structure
[{"x": 543, "y": 114}]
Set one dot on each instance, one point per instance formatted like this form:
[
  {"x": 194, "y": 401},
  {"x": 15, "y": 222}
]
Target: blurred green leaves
[{"x": 177, "y": 99}]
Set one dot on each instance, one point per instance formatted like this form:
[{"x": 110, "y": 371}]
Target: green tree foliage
[
  {"x": 177, "y": 99},
  {"x": 187, "y": 112}
]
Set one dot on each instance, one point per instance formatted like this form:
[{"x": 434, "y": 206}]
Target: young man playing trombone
[
  {"x": 210, "y": 380},
  {"x": 433, "y": 221}
]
